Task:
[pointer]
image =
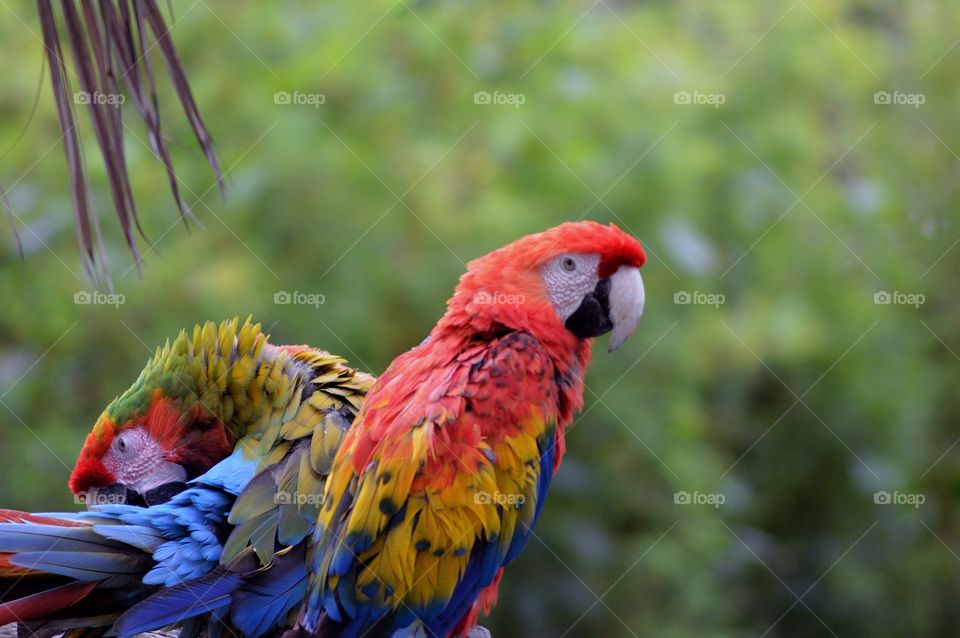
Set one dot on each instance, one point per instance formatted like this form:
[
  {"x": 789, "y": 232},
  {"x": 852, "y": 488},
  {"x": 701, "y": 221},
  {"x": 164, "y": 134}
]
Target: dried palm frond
[{"x": 110, "y": 43}]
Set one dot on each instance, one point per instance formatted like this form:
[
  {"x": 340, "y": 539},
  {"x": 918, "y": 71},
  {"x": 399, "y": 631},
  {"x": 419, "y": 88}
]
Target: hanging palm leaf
[{"x": 110, "y": 42}]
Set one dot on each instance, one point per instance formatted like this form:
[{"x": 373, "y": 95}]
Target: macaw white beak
[{"x": 626, "y": 304}]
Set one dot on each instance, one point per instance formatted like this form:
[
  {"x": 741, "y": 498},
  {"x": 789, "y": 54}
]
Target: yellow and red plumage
[{"x": 441, "y": 478}]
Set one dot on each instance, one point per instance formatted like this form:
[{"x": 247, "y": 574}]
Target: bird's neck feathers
[{"x": 485, "y": 306}]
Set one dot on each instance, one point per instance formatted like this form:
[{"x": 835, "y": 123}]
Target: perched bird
[
  {"x": 444, "y": 474},
  {"x": 204, "y": 395},
  {"x": 220, "y": 392},
  {"x": 432, "y": 491}
]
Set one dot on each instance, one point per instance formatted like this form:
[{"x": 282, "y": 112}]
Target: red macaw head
[
  {"x": 167, "y": 427},
  {"x": 143, "y": 453},
  {"x": 565, "y": 285}
]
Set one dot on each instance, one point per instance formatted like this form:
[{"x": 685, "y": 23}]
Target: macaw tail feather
[
  {"x": 127, "y": 570},
  {"x": 36, "y": 605},
  {"x": 176, "y": 604},
  {"x": 255, "y": 600},
  {"x": 61, "y": 574}
]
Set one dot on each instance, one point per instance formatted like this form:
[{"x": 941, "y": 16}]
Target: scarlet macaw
[{"x": 444, "y": 474}]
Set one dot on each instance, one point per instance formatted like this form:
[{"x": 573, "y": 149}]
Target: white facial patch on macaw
[
  {"x": 568, "y": 279},
  {"x": 138, "y": 461}
]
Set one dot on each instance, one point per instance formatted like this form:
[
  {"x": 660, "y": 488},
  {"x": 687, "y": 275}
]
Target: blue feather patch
[
  {"x": 82, "y": 565},
  {"x": 263, "y": 602},
  {"x": 134, "y": 535},
  {"x": 176, "y": 604},
  {"x": 232, "y": 473}
]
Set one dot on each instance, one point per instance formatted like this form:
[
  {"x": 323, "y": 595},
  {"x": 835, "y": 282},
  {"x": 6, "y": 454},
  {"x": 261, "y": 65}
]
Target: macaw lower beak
[
  {"x": 161, "y": 484},
  {"x": 614, "y": 306},
  {"x": 110, "y": 495},
  {"x": 121, "y": 494},
  {"x": 627, "y": 297}
]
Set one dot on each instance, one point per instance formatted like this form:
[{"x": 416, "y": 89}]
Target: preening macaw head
[
  {"x": 177, "y": 420},
  {"x": 565, "y": 285},
  {"x": 144, "y": 456},
  {"x": 149, "y": 442}
]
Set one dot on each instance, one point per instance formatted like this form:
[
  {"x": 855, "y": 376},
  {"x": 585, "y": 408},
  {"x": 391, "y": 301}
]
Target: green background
[{"x": 797, "y": 199}]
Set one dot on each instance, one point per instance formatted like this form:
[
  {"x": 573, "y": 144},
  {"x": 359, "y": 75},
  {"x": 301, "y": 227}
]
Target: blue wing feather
[{"x": 176, "y": 604}]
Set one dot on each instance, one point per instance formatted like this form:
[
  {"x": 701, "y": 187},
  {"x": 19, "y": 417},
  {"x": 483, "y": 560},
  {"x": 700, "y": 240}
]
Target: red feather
[
  {"x": 9, "y": 570},
  {"x": 40, "y": 605},
  {"x": 16, "y": 516}
]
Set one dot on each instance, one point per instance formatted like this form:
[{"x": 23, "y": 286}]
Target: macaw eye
[
  {"x": 568, "y": 278},
  {"x": 121, "y": 444}
]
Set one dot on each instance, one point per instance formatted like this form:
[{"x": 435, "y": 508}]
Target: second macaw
[{"x": 209, "y": 412}]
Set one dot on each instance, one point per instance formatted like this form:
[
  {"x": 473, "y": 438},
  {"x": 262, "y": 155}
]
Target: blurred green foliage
[{"x": 798, "y": 199}]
